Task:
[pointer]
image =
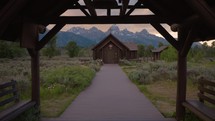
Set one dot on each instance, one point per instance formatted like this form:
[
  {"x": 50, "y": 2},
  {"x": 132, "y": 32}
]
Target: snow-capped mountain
[{"x": 94, "y": 35}]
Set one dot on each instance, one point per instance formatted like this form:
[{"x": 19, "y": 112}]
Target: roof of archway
[{"x": 46, "y": 12}]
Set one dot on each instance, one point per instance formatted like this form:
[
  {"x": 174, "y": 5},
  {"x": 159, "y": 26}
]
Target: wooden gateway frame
[{"x": 23, "y": 20}]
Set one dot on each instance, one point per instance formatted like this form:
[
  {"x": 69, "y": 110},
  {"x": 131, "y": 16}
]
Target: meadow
[
  {"x": 62, "y": 79},
  {"x": 158, "y": 81}
]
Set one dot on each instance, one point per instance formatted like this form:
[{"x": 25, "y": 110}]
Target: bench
[
  {"x": 9, "y": 96},
  {"x": 204, "y": 108}
]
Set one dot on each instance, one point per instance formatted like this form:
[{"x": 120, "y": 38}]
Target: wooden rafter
[
  {"x": 138, "y": 3},
  {"x": 49, "y": 35},
  {"x": 166, "y": 35},
  {"x": 111, "y": 7},
  {"x": 136, "y": 19},
  {"x": 59, "y": 9},
  {"x": 124, "y": 7},
  {"x": 9, "y": 12},
  {"x": 82, "y": 9},
  {"x": 204, "y": 10},
  {"x": 157, "y": 8},
  {"x": 90, "y": 7},
  {"x": 108, "y": 12},
  {"x": 187, "y": 43}
]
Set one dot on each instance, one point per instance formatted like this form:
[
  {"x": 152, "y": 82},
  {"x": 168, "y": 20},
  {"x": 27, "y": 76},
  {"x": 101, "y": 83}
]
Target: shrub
[
  {"x": 11, "y": 50},
  {"x": 125, "y": 62},
  {"x": 51, "y": 49},
  {"x": 30, "y": 115},
  {"x": 72, "y": 49},
  {"x": 191, "y": 117},
  {"x": 135, "y": 75},
  {"x": 169, "y": 55},
  {"x": 95, "y": 66},
  {"x": 63, "y": 79},
  {"x": 161, "y": 71},
  {"x": 24, "y": 86}
]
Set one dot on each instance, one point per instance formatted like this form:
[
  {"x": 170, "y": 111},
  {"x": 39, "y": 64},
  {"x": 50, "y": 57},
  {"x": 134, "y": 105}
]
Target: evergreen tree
[
  {"x": 170, "y": 54},
  {"x": 11, "y": 49},
  {"x": 141, "y": 50},
  {"x": 72, "y": 49},
  {"x": 160, "y": 44},
  {"x": 51, "y": 49},
  {"x": 148, "y": 50}
]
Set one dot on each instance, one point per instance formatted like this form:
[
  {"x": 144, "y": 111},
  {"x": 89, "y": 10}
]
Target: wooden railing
[
  {"x": 205, "y": 107},
  {"x": 8, "y": 92},
  {"x": 9, "y": 95}
]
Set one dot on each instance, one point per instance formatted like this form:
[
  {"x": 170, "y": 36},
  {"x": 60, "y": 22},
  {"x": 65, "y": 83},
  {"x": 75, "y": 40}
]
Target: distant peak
[
  {"x": 75, "y": 29},
  {"x": 114, "y": 27},
  {"x": 125, "y": 30},
  {"x": 144, "y": 31},
  {"x": 93, "y": 28}
]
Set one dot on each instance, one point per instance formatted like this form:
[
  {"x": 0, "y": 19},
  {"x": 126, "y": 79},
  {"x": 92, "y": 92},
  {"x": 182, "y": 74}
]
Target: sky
[{"x": 131, "y": 27}]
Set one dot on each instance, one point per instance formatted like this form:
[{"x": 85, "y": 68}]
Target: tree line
[
  {"x": 12, "y": 49},
  {"x": 71, "y": 49},
  {"x": 197, "y": 52}
]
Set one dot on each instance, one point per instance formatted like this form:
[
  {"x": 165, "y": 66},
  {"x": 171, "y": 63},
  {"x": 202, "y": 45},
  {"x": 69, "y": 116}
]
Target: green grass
[
  {"x": 61, "y": 85},
  {"x": 62, "y": 79},
  {"x": 55, "y": 106},
  {"x": 163, "y": 99},
  {"x": 157, "y": 80}
]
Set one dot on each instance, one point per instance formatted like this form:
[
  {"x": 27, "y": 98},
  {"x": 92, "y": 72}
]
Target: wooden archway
[{"x": 22, "y": 20}]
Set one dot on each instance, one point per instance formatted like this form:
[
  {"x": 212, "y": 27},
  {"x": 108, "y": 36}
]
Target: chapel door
[{"x": 111, "y": 55}]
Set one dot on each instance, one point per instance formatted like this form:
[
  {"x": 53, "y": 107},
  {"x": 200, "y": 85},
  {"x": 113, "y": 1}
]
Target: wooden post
[
  {"x": 108, "y": 12},
  {"x": 35, "y": 75},
  {"x": 181, "y": 87},
  {"x": 29, "y": 40},
  {"x": 182, "y": 77}
]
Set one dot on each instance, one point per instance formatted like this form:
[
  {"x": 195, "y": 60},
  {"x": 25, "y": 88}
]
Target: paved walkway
[{"x": 111, "y": 97}]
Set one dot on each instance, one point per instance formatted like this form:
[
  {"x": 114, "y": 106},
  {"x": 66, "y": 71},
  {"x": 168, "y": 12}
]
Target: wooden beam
[
  {"x": 188, "y": 43},
  {"x": 9, "y": 12},
  {"x": 124, "y": 7},
  {"x": 49, "y": 35},
  {"x": 138, "y": 3},
  {"x": 35, "y": 75},
  {"x": 108, "y": 12},
  {"x": 58, "y": 8},
  {"x": 181, "y": 87},
  {"x": 30, "y": 34},
  {"x": 90, "y": 7},
  {"x": 136, "y": 19},
  {"x": 82, "y": 9},
  {"x": 111, "y": 7},
  {"x": 157, "y": 9},
  {"x": 182, "y": 77},
  {"x": 205, "y": 11},
  {"x": 166, "y": 35}
]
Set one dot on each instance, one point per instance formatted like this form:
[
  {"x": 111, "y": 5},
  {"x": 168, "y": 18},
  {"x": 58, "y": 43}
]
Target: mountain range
[{"x": 89, "y": 37}]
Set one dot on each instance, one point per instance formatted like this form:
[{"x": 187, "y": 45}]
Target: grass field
[
  {"x": 158, "y": 81},
  {"x": 62, "y": 79}
]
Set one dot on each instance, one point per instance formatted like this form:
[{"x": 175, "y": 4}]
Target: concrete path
[{"x": 111, "y": 97}]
